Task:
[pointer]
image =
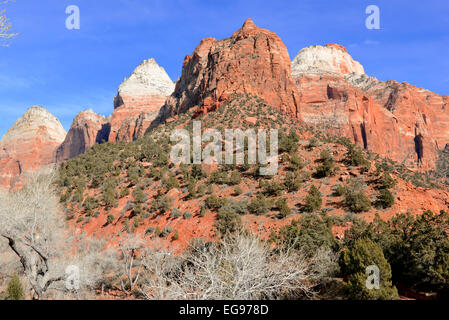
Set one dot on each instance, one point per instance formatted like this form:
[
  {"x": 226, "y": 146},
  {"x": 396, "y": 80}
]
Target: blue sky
[{"x": 69, "y": 71}]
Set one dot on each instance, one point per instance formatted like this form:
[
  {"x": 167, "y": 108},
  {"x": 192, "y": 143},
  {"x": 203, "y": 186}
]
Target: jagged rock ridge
[
  {"x": 400, "y": 121},
  {"x": 252, "y": 61}
]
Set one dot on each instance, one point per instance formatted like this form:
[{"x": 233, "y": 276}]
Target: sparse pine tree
[{"x": 313, "y": 200}]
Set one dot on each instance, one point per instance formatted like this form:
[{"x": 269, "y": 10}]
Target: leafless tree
[
  {"x": 236, "y": 268},
  {"x": 31, "y": 222},
  {"x": 5, "y": 26},
  {"x": 132, "y": 249}
]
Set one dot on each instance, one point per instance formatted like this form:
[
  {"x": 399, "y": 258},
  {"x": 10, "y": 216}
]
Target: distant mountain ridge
[{"x": 323, "y": 86}]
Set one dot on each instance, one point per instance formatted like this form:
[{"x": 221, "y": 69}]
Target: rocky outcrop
[
  {"x": 30, "y": 144},
  {"x": 87, "y": 129},
  {"x": 138, "y": 101},
  {"x": 252, "y": 61},
  {"x": 400, "y": 121},
  {"x": 329, "y": 59}
]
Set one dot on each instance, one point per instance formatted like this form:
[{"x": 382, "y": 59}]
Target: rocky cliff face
[
  {"x": 87, "y": 129},
  {"x": 28, "y": 145},
  {"x": 138, "y": 101},
  {"x": 136, "y": 105},
  {"x": 400, "y": 121},
  {"x": 323, "y": 86},
  {"x": 252, "y": 61}
]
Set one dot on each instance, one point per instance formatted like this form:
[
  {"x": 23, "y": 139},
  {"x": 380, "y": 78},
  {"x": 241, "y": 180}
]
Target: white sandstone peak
[
  {"x": 328, "y": 59},
  {"x": 147, "y": 79},
  {"x": 36, "y": 117}
]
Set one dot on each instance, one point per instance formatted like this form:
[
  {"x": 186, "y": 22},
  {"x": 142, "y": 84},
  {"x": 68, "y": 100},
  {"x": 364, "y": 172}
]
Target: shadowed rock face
[
  {"x": 399, "y": 121},
  {"x": 253, "y": 61},
  {"x": 28, "y": 145},
  {"x": 87, "y": 129}
]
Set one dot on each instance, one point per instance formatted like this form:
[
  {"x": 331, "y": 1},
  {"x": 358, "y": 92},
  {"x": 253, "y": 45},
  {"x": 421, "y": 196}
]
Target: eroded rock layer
[
  {"x": 252, "y": 61},
  {"x": 30, "y": 144}
]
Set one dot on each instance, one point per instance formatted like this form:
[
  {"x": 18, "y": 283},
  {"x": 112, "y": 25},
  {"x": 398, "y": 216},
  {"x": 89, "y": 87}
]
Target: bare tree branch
[{"x": 6, "y": 33}]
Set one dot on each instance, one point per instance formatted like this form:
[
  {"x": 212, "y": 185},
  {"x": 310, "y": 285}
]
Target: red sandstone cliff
[
  {"x": 323, "y": 86},
  {"x": 139, "y": 100},
  {"x": 87, "y": 129},
  {"x": 399, "y": 121},
  {"x": 252, "y": 61},
  {"x": 30, "y": 144}
]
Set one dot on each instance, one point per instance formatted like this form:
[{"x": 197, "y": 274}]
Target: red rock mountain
[
  {"x": 28, "y": 145},
  {"x": 400, "y": 121},
  {"x": 252, "y": 61},
  {"x": 87, "y": 129},
  {"x": 136, "y": 105},
  {"x": 139, "y": 100},
  {"x": 323, "y": 86}
]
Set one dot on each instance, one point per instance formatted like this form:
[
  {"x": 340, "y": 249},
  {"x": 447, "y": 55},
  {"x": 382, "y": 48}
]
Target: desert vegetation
[{"x": 224, "y": 231}]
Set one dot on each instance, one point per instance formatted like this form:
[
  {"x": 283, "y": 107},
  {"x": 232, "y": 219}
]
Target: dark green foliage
[
  {"x": 161, "y": 204},
  {"x": 355, "y": 157},
  {"x": 188, "y": 215},
  {"x": 139, "y": 196},
  {"x": 197, "y": 172},
  {"x": 327, "y": 166},
  {"x": 357, "y": 201},
  {"x": 171, "y": 183},
  {"x": 339, "y": 190},
  {"x": 420, "y": 253},
  {"x": 237, "y": 191},
  {"x": 292, "y": 182},
  {"x": 228, "y": 221},
  {"x": 272, "y": 188},
  {"x": 219, "y": 177},
  {"x": 313, "y": 200},
  {"x": 175, "y": 235},
  {"x": 385, "y": 199},
  {"x": 363, "y": 253},
  {"x": 416, "y": 247},
  {"x": 201, "y": 190},
  {"x": 14, "y": 291},
  {"x": 385, "y": 181},
  {"x": 150, "y": 230},
  {"x": 133, "y": 175},
  {"x": 157, "y": 232},
  {"x": 214, "y": 203},
  {"x": 109, "y": 196},
  {"x": 165, "y": 232},
  {"x": 313, "y": 143},
  {"x": 110, "y": 219},
  {"x": 124, "y": 193},
  {"x": 296, "y": 163},
  {"x": 65, "y": 196},
  {"x": 288, "y": 143},
  {"x": 310, "y": 233},
  {"x": 236, "y": 178},
  {"x": 175, "y": 214},
  {"x": 90, "y": 203},
  {"x": 191, "y": 189},
  {"x": 202, "y": 211},
  {"x": 259, "y": 206},
  {"x": 282, "y": 206}
]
